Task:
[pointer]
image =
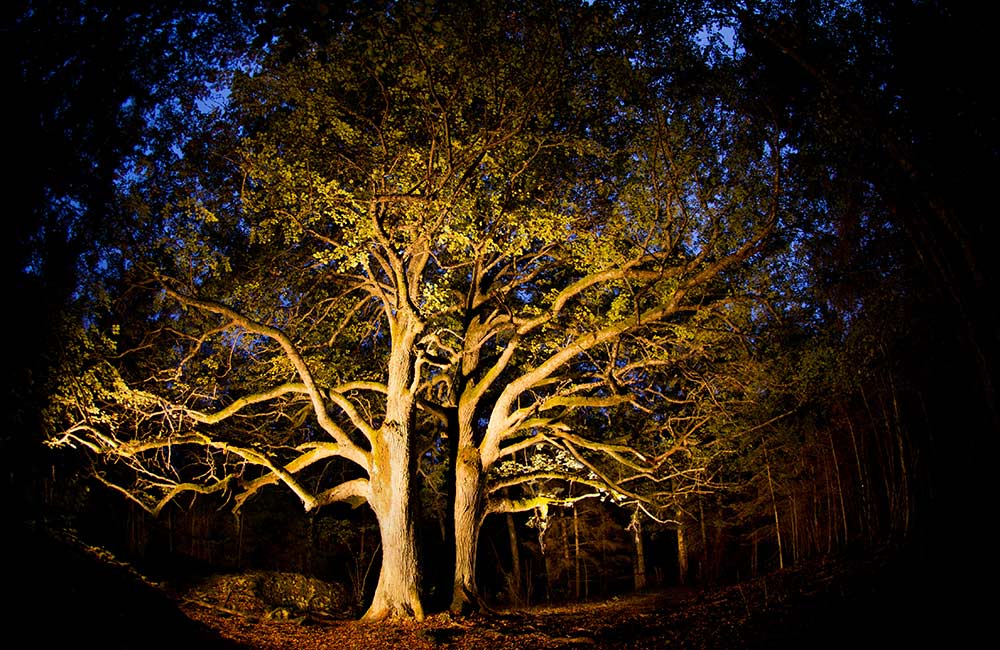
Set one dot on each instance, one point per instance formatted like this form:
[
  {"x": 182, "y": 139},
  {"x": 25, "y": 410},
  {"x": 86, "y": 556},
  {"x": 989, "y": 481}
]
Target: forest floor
[
  {"x": 825, "y": 604},
  {"x": 875, "y": 600}
]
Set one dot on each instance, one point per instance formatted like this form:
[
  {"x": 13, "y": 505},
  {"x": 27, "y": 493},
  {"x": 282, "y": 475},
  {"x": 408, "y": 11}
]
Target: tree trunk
[
  {"x": 640, "y": 555},
  {"x": 682, "y": 555},
  {"x": 392, "y": 485},
  {"x": 774, "y": 506},
  {"x": 576, "y": 555},
  {"x": 703, "y": 573},
  {"x": 567, "y": 554},
  {"x": 515, "y": 589},
  {"x": 392, "y": 499},
  {"x": 468, "y": 519}
]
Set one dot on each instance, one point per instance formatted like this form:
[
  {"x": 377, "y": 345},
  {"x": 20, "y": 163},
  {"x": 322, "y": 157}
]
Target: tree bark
[
  {"x": 640, "y": 555},
  {"x": 515, "y": 589},
  {"x": 392, "y": 499},
  {"x": 468, "y": 518},
  {"x": 682, "y": 556},
  {"x": 774, "y": 506},
  {"x": 392, "y": 484},
  {"x": 576, "y": 556},
  {"x": 567, "y": 555}
]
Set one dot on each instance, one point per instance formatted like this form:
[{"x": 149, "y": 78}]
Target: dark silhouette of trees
[{"x": 85, "y": 79}]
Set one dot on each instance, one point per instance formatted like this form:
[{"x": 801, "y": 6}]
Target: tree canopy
[{"x": 541, "y": 252}]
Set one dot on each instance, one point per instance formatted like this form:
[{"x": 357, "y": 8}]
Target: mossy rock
[{"x": 262, "y": 592}]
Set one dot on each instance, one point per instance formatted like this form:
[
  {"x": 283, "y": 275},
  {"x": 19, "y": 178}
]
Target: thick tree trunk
[
  {"x": 392, "y": 499},
  {"x": 392, "y": 485},
  {"x": 468, "y": 520}
]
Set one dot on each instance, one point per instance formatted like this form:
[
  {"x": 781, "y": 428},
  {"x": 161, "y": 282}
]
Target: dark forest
[{"x": 499, "y": 324}]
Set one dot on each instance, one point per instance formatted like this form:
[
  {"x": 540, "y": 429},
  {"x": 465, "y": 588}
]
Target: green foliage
[
  {"x": 541, "y": 459},
  {"x": 558, "y": 223}
]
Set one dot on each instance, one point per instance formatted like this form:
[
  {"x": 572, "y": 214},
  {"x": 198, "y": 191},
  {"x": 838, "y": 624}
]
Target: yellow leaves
[
  {"x": 543, "y": 459},
  {"x": 456, "y": 239},
  {"x": 201, "y": 213},
  {"x": 437, "y": 296},
  {"x": 621, "y": 307}
]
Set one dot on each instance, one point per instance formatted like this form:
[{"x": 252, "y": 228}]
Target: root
[{"x": 381, "y": 610}]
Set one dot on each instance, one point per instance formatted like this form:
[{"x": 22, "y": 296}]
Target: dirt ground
[
  {"x": 57, "y": 595},
  {"x": 622, "y": 622}
]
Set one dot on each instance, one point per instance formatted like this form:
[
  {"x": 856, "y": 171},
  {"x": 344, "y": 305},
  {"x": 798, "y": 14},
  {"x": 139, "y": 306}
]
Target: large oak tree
[{"x": 492, "y": 225}]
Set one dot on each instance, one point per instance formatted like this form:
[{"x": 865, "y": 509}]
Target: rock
[{"x": 258, "y": 593}]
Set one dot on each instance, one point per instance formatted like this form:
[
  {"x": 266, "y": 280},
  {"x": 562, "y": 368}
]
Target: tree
[
  {"x": 355, "y": 165},
  {"x": 396, "y": 232},
  {"x": 88, "y": 77},
  {"x": 895, "y": 145},
  {"x": 565, "y": 346}
]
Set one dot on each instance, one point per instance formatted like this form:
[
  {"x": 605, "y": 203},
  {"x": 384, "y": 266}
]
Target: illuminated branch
[
  {"x": 349, "y": 450},
  {"x": 173, "y": 493},
  {"x": 521, "y": 479},
  {"x": 530, "y": 441},
  {"x": 530, "y": 503},
  {"x": 502, "y": 419},
  {"x": 335, "y": 395},
  {"x": 69, "y": 438},
  {"x": 621, "y": 272},
  {"x": 313, "y": 452},
  {"x": 238, "y": 404},
  {"x": 563, "y": 400},
  {"x": 132, "y": 449},
  {"x": 354, "y": 492},
  {"x": 617, "y": 452},
  {"x": 612, "y": 485}
]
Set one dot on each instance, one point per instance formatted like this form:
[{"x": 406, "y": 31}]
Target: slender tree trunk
[
  {"x": 774, "y": 506},
  {"x": 682, "y": 555},
  {"x": 640, "y": 555},
  {"x": 239, "y": 541},
  {"x": 705, "y": 557},
  {"x": 794, "y": 511},
  {"x": 840, "y": 486},
  {"x": 567, "y": 555},
  {"x": 516, "y": 591},
  {"x": 576, "y": 555},
  {"x": 901, "y": 446},
  {"x": 862, "y": 480}
]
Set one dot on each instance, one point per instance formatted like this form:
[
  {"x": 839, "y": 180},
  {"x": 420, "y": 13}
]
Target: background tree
[
  {"x": 909, "y": 263},
  {"x": 88, "y": 78},
  {"x": 355, "y": 166}
]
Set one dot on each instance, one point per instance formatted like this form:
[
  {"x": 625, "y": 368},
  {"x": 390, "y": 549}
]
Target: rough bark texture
[
  {"x": 396, "y": 595},
  {"x": 392, "y": 488},
  {"x": 468, "y": 517}
]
